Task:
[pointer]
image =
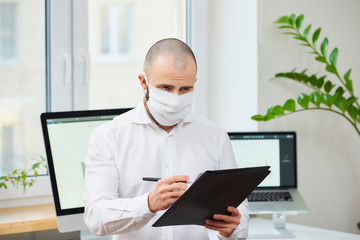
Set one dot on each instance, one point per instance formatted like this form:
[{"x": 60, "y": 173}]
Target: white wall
[
  {"x": 233, "y": 63},
  {"x": 328, "y": 146}
]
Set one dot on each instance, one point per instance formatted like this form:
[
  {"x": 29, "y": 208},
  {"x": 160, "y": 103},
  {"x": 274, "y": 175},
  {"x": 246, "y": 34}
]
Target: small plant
[
  {"x": 326, "y": 95},
  {"x": 21, "y": 176}
]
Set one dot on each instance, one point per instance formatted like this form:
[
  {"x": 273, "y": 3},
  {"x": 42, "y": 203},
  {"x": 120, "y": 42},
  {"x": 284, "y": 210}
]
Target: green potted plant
[
  {"x": 325, "y": 94},
  {"x": 21, "y": 177}
]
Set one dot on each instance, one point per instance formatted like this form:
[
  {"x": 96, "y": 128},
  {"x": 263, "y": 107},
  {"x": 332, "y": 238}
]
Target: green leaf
[
  {"x": 316, "y": 36},
  {"x": 353, "y": 112},
  {"x": 313, "y": 80},
  {"x": 320, "y": 82},
  {"x": 340, "y": 91},
  {"x": 340, "y": 103},
  {"x": 301, "y": 39},
  {"x": 303, "y": 100},
  {"x": 321, "y": 59},
  {"x": 283, "y": 19},
  {"x": 278, "y": 110},
  {"x": 315, "y": 98},
  {"x": 347, "y": 75},
  {"x": 285, "y": 26},
  {"x": 348, "y": 82},
  {"x": 3, "y": 177},
  {"x": 324, "y": 46},
  {"x": 326, "y": 99},
  {"x": 333, "y": 57},
  {"x": 290, "y": 105},
  {"x": 258, "y": 118},
  {"x": 290, "y": 33},
  {"x": 328, "y": 86},
  {"x": 292, "y": 19},
  {"x": 36, "y": 165},
  {"x": 299, "y": 21},
  {"x": 349, "y": 85},
  {"x": 36, "y": 174},
  {"x": 349, "y": 102},
  {"x": 331, "y": 69},
  {"x": 269, "y": 116},
  {"x": 306, "y": 31}
]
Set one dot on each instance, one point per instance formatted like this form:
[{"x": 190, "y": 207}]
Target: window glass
[
  {"x": 22, "y": 82},
  {"x": 8, "y": 18},
  {"x": 120, "y": 33}
]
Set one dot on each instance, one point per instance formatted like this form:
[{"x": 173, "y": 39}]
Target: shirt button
[
  {"x": 166, "y": 165},
  {"x": 166, "y": 140}
]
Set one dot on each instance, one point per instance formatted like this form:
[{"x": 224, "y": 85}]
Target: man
[{"x": 159, "y": 138}]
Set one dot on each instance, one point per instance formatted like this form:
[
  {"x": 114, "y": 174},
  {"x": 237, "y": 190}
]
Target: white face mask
[{"x": 167, "y": 108}]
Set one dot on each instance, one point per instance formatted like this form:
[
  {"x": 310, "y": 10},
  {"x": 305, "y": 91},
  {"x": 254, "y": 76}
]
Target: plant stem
[{"x": 327, "y": 109}]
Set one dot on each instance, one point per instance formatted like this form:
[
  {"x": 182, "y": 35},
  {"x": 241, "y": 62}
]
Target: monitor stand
[
  {"x": 262, "y": 228},
  {"x": 85, "y": 234}
]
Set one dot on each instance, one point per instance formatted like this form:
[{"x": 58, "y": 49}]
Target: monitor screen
[
  {"x": 66, "y": 138},
  {"x": 274, "y": 149}
]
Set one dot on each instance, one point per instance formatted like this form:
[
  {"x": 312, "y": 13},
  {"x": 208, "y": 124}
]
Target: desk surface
[
  {"x": 300, "y": 231},
  {"x": 260, "y": 226},
  {"x": 27, "y": 219},
  {"x": 42, "y": 217}
]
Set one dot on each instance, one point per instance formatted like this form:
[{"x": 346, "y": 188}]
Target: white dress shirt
[{"x": 131, "y": 147}]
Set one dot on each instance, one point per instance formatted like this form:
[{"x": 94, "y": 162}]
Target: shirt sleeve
[
  {"x": 106, "y": 213},
  {"x": 228, "y": 161}
]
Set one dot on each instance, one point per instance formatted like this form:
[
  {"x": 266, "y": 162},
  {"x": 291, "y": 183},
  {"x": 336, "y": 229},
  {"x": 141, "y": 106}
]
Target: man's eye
[
  {"x": 165, "y": 88},
  {"x": 185, "y": 89}
]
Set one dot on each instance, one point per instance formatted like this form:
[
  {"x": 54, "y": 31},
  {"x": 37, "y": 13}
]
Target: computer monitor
[
  {"x": 66, "y": 138},
  {"x": 278, "y": 193}
]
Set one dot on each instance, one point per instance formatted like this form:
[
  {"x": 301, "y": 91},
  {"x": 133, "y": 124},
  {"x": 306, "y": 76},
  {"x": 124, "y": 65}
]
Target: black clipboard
[{"x": 211, "y": 194}]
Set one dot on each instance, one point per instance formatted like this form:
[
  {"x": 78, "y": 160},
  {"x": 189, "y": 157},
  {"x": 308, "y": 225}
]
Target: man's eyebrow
[
  {"x": 165, "y": 85},
  {"x": 172, "y": 86}
]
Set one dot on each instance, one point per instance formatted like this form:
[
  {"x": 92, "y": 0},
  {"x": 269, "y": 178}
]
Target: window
[
  {"x": 120, "y": 33},
  {"x": 8, "y": 20},
  {"x": 95, "y": 51},
  {"x": 22, "y": 95},
  {"x": 116, "y": 21}
]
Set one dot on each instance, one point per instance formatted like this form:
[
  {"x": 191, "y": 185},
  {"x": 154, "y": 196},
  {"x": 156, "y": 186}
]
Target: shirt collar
[{"x": 142, "y": 116}]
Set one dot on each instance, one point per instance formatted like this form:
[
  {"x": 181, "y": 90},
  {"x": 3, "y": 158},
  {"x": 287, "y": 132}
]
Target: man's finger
[
  {"x": 226, "y": 218},
  {"x": 175, "y": 179},
  {"x": 234, "y": 211},
  {"x": 177, "y": 186}
]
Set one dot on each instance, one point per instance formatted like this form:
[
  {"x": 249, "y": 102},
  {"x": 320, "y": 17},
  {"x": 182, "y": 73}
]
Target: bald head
[{"x": 175, "y": 48}]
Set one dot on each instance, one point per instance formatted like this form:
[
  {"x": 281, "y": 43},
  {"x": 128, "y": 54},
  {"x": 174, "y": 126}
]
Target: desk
[
  {"x": 27, "y": 219},
  {"x": 301, "y": 232}
]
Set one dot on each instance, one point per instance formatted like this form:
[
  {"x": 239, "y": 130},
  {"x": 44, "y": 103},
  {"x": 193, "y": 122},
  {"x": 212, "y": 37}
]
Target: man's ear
[
  {"x": 195, "y": 80},
  {"x": 142, "y": 81}
]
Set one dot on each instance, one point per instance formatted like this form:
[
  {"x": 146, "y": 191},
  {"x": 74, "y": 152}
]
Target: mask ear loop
[{"x": 146, "y": 91}]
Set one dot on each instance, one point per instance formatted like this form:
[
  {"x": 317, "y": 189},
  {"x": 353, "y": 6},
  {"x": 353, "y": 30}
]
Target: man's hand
[
  {"x": 223, "y": 223},
  {"x": 166, "y": 192}
]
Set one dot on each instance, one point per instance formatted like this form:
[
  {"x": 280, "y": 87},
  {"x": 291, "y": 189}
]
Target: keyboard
[{"x": 270, "y": 196}]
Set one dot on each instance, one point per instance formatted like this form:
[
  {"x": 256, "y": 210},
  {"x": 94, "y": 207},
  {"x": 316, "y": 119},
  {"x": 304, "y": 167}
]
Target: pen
[{"x": 153, "y": 179}]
